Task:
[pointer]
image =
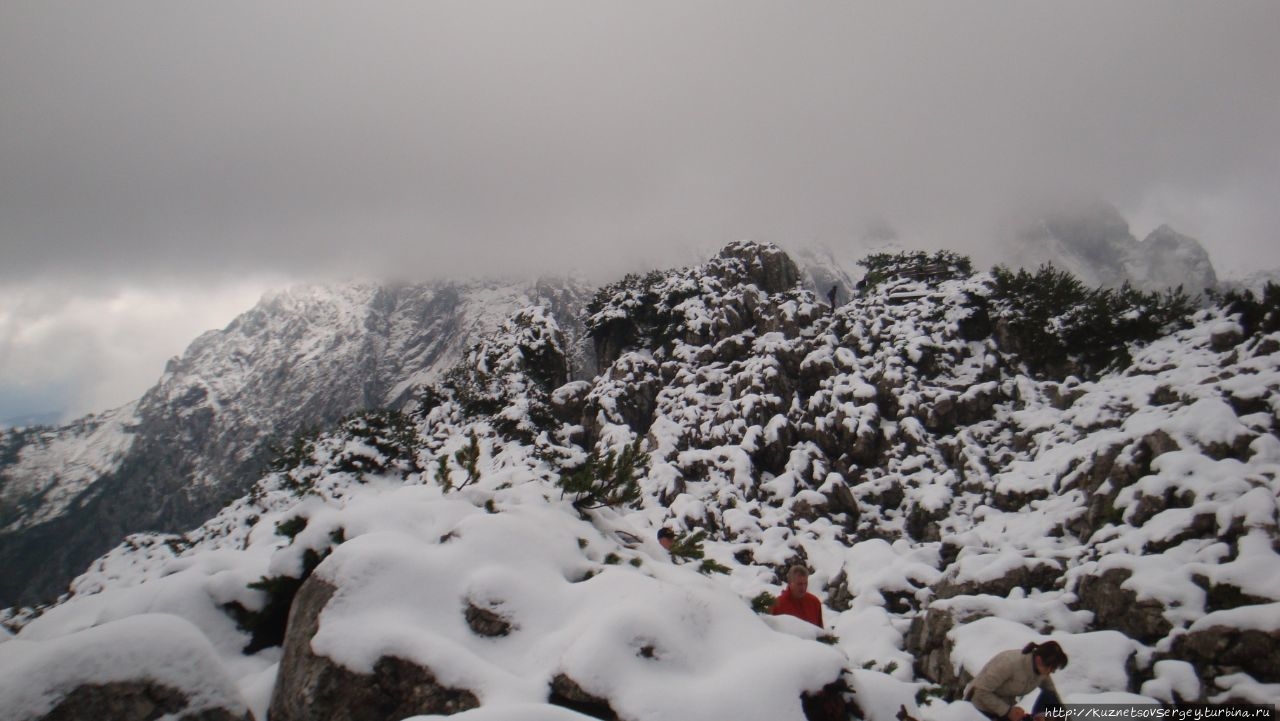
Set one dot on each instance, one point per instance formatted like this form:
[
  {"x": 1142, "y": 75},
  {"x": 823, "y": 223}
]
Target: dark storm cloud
[{"x": 185, "y": 137}]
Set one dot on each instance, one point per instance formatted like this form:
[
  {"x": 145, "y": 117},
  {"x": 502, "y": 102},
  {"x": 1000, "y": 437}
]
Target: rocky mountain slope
[
  {"x": 489, "y": 552},
  {"x": 303, "y": 358}
]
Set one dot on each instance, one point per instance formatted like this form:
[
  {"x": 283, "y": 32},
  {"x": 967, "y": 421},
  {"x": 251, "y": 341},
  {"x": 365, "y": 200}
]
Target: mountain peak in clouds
[{"x": 1094, "y": 242}]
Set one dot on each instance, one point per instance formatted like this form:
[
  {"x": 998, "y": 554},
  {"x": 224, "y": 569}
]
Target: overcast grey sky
[{"x": 162, "y": 163}]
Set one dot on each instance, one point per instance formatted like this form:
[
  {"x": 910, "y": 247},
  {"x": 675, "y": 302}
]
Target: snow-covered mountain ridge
[
  {"x": 303, "y": 358},
  {"x": 950, "y": 500}
]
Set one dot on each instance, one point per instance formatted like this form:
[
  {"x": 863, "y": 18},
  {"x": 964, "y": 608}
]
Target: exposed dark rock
[
  {"x": 928, "y": 644},
  {"x": 637, "y": 384},
  {"x": 830, "y": 703},
  {"x": 1062, "y": 396},
  {"x": 1224, "y": 596},
  {"x": 566, "y": 692},
  {"x": 311, "y": 687},
  {"x": 1120, "y": 609},
  {"x": 1037, "y": 575},
  {"x": 839, "y": 598},
  {"x": 1222, "y": 650},
  {"x": 1121, "y": 465},
  {"x": 1224, "y": 339},
  {"x": 141, "y": 700},
  {"x": 485, "y": 622}
]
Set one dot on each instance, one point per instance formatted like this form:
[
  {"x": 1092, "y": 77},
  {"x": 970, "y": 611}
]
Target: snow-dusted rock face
[
  {"x": 1095, "y": 244},
  {"x": 949, "y": 504},
  {"x": 301, "y": 359}
]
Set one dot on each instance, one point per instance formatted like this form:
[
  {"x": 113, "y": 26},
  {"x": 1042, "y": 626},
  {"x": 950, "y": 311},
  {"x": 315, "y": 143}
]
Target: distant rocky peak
[
  {"x": 1094, "y": 242},
  {"x": 1167, "y": 258},
  {"x": 764, "y": 265}
]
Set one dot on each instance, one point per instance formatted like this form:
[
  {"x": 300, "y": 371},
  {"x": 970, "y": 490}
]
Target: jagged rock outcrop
[{"x": 311, "y": 687}]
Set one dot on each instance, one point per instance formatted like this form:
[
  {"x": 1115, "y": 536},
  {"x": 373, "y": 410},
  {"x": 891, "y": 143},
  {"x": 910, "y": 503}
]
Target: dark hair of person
[
  {"x": 1049, "y": 653},
  {"x": 665, "y": 532}
]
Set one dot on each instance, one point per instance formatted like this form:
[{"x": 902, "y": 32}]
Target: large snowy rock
[
  {"x": 401, "y": 620},
  {"x": 136, "y": 669},
  {"x": 311, "y": 686}
]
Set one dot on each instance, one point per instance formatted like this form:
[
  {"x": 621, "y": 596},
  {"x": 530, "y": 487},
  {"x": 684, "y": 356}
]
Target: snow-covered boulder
[
  {"x": 449, "y": 606},
  {"x": 311, "y": 686},
  {"x": 141, "y": 667}
]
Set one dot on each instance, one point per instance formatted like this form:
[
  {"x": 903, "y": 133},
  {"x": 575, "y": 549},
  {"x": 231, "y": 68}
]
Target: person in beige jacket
[{"x": 1012, "y": 674}]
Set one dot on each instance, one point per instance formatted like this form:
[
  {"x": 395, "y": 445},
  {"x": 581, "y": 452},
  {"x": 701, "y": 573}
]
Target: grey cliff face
[{"x": 301, "y": 359}]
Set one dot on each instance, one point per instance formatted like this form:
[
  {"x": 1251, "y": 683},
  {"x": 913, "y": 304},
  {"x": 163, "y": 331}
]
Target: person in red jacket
[{"x": 795, "y": 599}]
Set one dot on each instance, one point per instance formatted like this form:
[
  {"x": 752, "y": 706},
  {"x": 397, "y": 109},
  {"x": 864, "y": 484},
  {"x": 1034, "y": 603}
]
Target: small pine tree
[
  {"x": 443, "y": 475},
  {"x": 1256, "y": 315},
  {"x": 606, "y": 482},
  {"x": 688, "y": 548},
  {"x": 469, "y": 459}
]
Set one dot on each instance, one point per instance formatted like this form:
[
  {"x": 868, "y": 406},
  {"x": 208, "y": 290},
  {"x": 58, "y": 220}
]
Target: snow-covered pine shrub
[
  {"x": 443, "y": 475},
  {"x": 689, "y": 547},
  {"x": 384, "y": 441},
  {"x": 1256, "y": 315},
  {"x": 638, "y": 311},
  {"x": 608, "y": 481},
  {"x": 1056, "y": 326},
  {"x": 916, "y": 265},
  {"x": 509, "y": 376},
  {"x": 298, "y": 451},
  {"x": 291, "y": 527}
]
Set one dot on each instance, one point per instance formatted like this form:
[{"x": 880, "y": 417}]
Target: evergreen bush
[
  {"x": 917, "y": 265},
  {"x": 266, "y": 627},
  {"x": 608, "y": 481},
  {"x": 1056, "y": 326},
  {"x": 388, "y": 442},
  {"x": 1256, "y": 315},
  {"x": 639, "y": 311}
]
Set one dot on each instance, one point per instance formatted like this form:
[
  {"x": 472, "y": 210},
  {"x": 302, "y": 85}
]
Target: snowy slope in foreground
[{"x": 659, "y": 640}]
